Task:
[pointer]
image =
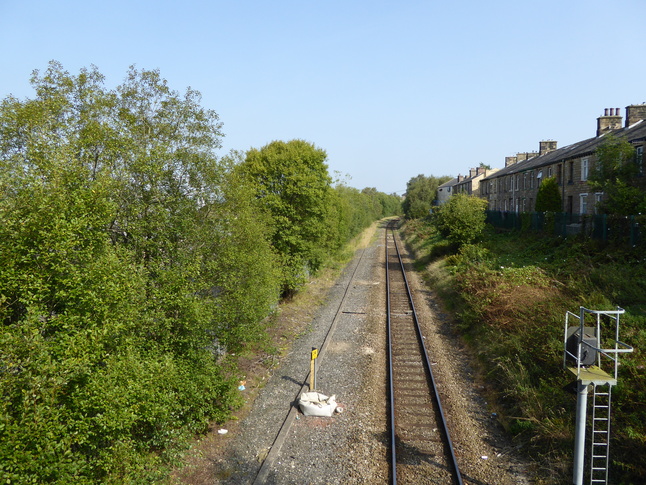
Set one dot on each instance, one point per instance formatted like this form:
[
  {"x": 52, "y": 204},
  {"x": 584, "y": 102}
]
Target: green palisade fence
[{"x": 603, "y": 227}]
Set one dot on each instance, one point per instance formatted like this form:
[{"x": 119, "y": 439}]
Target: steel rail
[
  {"x": 427, "y": 364},
  {"x": 391, "y": 388}
]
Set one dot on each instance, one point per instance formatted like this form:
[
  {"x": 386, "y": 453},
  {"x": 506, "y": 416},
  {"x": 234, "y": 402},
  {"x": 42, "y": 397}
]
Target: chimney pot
[
  {"x": 605, "y": 112},
  {"x": 606, "y": 123}
]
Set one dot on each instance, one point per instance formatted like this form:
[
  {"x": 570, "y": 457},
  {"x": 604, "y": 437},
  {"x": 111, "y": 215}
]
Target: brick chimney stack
[
  {"x": 510, "y": 161},
  {"x": 611, "y": 120},
  {"x": 634, "y": 113},
  {"x": 472, "y": 172}
]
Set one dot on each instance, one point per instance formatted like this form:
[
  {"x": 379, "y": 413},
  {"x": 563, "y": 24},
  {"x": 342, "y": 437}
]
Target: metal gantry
[{"x": 594, "y": 366}]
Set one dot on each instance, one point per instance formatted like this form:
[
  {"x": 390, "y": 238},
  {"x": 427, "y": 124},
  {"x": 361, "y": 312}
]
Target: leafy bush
[
  {"x": 548, "y": 197},
  {"x": 462, "y": 219}
]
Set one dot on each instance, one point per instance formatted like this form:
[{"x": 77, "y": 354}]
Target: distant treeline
[{"x": 131, "y": 259}]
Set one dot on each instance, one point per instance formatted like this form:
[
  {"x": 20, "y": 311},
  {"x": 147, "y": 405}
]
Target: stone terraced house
[
  {"x": 514, "y": 187},
  {"x": 471, "y": 184}
]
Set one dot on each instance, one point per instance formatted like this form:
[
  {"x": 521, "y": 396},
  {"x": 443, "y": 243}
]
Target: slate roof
[
  {"x": 635, "y": 132},
  {"x": 450, "y": 183}
]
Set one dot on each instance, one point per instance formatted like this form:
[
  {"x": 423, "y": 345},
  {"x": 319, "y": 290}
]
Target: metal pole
[{"x": 579, "y": 436}]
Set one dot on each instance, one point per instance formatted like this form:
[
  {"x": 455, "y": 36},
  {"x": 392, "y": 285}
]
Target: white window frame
[
  {"x": 583, "y": 204},
  {"x": 585, "y": 167}
]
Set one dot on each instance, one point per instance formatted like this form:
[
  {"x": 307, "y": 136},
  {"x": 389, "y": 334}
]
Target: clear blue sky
[{"x": 389, "y": 89}]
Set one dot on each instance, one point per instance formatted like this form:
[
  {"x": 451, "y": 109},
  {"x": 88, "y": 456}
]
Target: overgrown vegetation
[
  {"x": 133, "y": 262},
  {"x": 510, "y": 293},
  {"x": 619, "y": 174},
  {"x": 461, "y": 220}
]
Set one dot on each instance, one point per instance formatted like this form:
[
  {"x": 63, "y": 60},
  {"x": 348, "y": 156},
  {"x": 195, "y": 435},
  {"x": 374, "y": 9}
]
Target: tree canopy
[
  {"x": 129, "y": 260},
  {"x": 617, "y": 174},
  {"x": 421, "y": 192},
  {"x": 292, "y": 183}
]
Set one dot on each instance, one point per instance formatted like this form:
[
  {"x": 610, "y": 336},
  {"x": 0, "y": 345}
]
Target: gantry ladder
[
  {"x": 600, "y": 443},
  {"x": 596, "y": 361}
]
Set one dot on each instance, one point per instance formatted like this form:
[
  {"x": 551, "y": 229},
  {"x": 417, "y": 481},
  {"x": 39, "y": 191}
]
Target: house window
[
  {"x": 583, "y": 203},
  {"x": 549, "y": 171},
  {"x": 597, "y": 201},
  {"x": 517, "y": 182},
  {"x": 559, "y": 174},
  {"x": 584, "y": 169},
  {"x": 639, "y": 158},
  {"x": 570, "y": 179}
]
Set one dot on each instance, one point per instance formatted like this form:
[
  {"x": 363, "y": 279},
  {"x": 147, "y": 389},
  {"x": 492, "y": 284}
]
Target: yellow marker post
[{"x": 314, "y": 355}]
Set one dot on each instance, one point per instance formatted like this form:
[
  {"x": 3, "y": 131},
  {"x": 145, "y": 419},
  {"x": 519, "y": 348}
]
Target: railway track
[{"x": 421, "y": 450}]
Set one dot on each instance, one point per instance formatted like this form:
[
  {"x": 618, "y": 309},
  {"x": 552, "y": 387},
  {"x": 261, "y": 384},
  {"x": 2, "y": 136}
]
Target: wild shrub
[{"x": 461, "y": 220}]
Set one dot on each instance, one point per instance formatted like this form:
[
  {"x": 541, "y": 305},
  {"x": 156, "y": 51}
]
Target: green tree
[
  {"x": 291, "y": 181},
  {"x": 130, "y": 258},
  {"x": 617, "y": 175},
  {"x": 548, "y": 198},
  {"x": 421, "y": 191},
  {"x": 461, "y": 219}
]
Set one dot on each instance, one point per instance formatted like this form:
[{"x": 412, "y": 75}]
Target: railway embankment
[{"x": 509, "y": 294}]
